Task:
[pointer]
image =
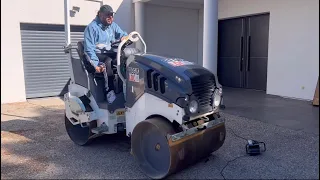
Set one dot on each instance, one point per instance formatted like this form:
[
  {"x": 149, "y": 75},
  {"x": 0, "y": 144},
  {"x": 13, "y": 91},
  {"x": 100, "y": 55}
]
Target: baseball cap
[{"x": 106, "y": 9}]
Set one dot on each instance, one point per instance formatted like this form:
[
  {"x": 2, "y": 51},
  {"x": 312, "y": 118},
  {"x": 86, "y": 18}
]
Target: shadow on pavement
[{"x": 34, "y": 144}]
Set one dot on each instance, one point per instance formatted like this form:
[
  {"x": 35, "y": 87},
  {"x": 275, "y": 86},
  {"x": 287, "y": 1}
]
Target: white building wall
[
  {"x": 42, "y": 11},
  {"x": 293, "y": 63},
  {"x": 293, "y": 38},
  {"x": 172, "y": 34}
]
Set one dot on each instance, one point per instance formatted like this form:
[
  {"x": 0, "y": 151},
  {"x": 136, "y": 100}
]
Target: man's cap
[{"x": 106, "y": 9}]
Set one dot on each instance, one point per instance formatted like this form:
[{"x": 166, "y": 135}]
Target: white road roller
[{"x": 169, "y": 107}]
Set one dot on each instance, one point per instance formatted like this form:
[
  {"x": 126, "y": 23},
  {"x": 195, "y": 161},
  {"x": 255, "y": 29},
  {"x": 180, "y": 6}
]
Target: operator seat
[
  {"x": 85, "y": 59},
  {"x": 87, "y": 77},
  {"x": 82, "y": 57}
]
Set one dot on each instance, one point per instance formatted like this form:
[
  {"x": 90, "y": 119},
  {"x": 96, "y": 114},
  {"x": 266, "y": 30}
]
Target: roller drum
[
  {"x": 158, "y": 156},
  {"x": 79, "y": 135}
]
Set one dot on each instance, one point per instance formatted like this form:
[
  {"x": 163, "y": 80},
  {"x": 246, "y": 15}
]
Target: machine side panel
[
  {"x": 135, "y": 84},
  {"x": 96, "y": 89},
  {"x": 148, "y": 105},
  {"x": 143, "y": 77}
]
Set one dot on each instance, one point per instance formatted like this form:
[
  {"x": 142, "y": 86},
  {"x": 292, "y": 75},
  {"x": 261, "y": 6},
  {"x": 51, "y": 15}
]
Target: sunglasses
[{"x": 109, "y": 14}]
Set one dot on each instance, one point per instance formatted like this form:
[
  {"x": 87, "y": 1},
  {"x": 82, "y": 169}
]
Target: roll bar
[{"x": 132, "y": 39}]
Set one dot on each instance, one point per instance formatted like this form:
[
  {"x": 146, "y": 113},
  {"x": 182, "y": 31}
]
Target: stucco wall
[
  {"x": 42, "y": 11},
  {"x": 293, "y": 64}
]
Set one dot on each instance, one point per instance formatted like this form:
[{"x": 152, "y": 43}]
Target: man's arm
[
  {"x": 89, "y": 46},
  {"x": 119, "y": 33}
]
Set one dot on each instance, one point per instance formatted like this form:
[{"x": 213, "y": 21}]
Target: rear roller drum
[
  {"x": 159, "y": 157},
  {"x": 79, "y": 135}
]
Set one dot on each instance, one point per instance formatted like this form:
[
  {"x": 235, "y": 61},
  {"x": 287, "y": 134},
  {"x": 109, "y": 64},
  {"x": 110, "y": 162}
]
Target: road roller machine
[{"x": 169, "y": 107}]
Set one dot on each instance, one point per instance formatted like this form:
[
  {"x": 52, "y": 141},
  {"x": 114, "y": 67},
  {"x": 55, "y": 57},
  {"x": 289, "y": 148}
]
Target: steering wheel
[
  {"x": 128, "y": 43},
  {"x": 115, "y": 44}
]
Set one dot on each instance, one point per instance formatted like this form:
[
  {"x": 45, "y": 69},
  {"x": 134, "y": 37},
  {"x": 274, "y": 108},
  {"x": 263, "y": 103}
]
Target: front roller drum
[
  {"x": 159, "y": 156},
  {"x": 79, "y": 135}
]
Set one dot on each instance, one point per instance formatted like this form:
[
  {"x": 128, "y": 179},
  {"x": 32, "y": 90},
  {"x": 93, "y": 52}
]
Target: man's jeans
[{"x": 110, "y": 96}]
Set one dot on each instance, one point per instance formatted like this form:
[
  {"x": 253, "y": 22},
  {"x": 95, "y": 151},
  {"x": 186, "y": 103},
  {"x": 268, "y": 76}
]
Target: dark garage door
[
  {"x": 45, "y": 64},
  {"x": 243, "y": 52}
]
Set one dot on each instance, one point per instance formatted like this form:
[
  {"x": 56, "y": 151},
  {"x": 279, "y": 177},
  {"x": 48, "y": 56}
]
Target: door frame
[
  {"x": 243, "y": 81},
  {"x": 246, "y": 15}
]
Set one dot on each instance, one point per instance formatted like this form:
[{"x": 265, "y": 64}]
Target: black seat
[{"x": 85, "y": 59}]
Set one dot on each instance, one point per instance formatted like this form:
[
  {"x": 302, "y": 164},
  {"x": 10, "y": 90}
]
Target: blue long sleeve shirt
[{"x": 98, "y": 37}]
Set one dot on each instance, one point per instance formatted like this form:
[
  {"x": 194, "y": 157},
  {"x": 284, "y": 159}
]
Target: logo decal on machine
[
  {"x": 178, "y": 62},
  {"x": 133, "y": 74}
]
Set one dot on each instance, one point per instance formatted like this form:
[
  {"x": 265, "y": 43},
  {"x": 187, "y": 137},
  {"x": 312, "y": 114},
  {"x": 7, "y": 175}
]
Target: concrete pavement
[{"x": 34, "y": 144}]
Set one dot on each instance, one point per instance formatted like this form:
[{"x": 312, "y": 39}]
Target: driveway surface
[{"x": 34, "y": 144}]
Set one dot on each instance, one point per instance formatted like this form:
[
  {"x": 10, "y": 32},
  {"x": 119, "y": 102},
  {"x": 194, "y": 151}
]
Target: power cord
[
  {"x": 236, "y": 134},
  {"x": 221, "y": 172},
  {"x": 252, "y": 148}
]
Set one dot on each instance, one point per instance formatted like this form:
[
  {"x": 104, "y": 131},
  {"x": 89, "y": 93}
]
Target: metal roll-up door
[{"x": 46, "y": 67}]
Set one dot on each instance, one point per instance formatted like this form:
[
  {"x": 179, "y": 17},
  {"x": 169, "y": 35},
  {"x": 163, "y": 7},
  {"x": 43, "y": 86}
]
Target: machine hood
[{"x": 182, "y": 73}]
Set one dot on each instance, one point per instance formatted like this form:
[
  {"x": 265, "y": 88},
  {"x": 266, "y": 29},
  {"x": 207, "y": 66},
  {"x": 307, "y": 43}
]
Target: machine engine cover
[{"x": 170, "y": 79}]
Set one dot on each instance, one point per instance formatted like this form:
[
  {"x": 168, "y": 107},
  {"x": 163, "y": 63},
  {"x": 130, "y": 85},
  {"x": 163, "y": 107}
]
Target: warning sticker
[
  {"x": 133, "y": 74},
  {"x": 134, "y": 77}
]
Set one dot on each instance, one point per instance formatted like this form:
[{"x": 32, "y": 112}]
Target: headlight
[
  {"x": 217, "y": 97},
  {"x": 193, "y": 106}
]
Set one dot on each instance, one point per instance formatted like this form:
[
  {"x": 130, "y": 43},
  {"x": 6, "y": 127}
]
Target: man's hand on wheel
[{"x": 124, "y": 37}]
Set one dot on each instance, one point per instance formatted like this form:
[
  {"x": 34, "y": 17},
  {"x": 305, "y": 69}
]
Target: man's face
[{"x": 106, "y": 18}]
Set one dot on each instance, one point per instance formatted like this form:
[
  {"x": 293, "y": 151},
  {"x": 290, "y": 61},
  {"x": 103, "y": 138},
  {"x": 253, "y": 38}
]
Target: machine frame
[{"x": 181, "y": 141}]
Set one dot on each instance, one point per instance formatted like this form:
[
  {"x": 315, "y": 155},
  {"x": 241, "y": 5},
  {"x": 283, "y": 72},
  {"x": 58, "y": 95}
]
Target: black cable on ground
[
  {"x": 221, "y": 172},
  {"x": 236, "y": 134}
]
